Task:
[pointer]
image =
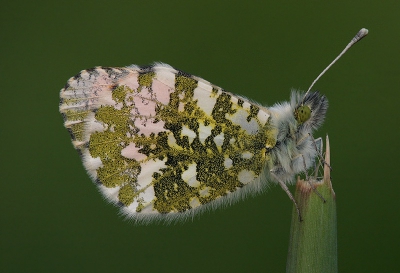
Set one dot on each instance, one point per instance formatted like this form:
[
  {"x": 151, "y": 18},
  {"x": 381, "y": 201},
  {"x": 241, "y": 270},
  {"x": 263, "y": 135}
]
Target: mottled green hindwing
[{"x": 164, "y": 144}]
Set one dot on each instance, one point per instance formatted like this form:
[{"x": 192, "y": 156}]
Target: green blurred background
[{"x": 54, "y": 220}]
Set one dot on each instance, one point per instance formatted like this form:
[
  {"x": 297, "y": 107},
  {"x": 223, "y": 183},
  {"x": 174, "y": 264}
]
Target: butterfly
[{"x": 165, "y": 145}]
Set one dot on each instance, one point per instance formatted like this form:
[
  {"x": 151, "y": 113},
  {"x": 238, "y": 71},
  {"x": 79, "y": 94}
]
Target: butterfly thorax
[{"x": 294, "y": 151}]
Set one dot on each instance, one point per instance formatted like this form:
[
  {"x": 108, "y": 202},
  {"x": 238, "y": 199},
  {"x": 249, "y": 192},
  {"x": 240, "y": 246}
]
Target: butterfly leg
[
  {"x": 317, "y": 143},
  {"x": 311, "y": 183},
  {"x": 318, "y": 148},
  {"x": 286, "y": 189}
]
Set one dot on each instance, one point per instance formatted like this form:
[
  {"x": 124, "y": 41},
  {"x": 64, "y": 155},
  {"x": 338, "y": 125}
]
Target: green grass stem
[{"x": 313, "y": 241}]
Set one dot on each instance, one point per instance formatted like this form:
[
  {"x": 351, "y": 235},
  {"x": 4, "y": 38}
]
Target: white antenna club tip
[{"x": 363, "y": 32}]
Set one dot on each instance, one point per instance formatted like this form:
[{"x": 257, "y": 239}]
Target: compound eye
[{"x": 302, "y": 114}]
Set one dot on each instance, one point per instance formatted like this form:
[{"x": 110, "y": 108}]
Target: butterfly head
[
  {"x": 302, "y": 114},
  {"x": 309, "y": 110}
]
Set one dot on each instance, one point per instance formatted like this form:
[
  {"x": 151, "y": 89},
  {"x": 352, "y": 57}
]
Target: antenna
[{"x": 361, "y": 34}]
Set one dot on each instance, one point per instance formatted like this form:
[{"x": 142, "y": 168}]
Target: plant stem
[{"x": 313, "y": 242}]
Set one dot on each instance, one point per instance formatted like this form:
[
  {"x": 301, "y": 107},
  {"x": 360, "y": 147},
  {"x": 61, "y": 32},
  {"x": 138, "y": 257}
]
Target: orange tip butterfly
[{"x": 165, "y": 145}]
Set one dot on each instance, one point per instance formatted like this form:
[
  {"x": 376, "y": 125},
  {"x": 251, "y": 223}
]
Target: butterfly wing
[{"x": 163, "y": 144}]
